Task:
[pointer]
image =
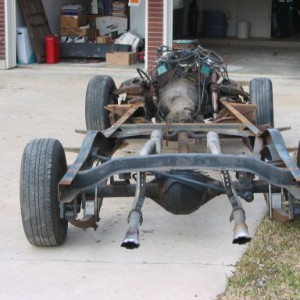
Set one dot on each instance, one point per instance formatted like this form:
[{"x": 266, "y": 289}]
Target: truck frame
[{"x": 187, "y": 98}]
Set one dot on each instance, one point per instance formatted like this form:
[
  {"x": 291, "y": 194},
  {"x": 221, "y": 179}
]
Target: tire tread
[
  {"x": 261, "y": 94},
  {"x": 98, "y": 95},
  {"x": 43, "y": 164}
]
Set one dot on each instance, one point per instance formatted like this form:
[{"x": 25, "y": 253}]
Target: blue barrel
[{"x": 214, "y": 24}]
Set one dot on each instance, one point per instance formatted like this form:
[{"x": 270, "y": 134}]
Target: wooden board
[{"x": 37, "y": 24}]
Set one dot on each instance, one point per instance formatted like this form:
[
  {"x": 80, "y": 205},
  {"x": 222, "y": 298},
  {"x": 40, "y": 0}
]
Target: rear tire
[
  {"x": 297, "y": 202},
  {"x": 99, "y": 94},
  {"x": 261, "y": 94},
  {"x": 43, "y": 165}
]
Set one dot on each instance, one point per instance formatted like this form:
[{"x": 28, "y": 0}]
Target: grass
[{"x": 270, "y": 268}]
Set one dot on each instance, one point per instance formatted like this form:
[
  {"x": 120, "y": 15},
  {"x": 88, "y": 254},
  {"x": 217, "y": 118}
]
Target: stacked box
[
  {"x": 72, "y": 16},
  {"x": 120, "y": 9},
  {"x": 73, "y": 23},
  {"x": 104, "y": 39}
]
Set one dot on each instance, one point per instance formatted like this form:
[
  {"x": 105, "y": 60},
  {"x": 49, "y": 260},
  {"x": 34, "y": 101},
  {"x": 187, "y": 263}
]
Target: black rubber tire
[
  {"x": 297, "y": 202},
  {"x": 99, "y": 93},
  {"x": 261, "y": 94},
  {"x": 298, "y": 156},
  {"x": 43, "y": 165}
]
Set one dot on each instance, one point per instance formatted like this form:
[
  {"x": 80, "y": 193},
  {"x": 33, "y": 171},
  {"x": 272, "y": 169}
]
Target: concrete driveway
[{"x": 181, "y": 257}]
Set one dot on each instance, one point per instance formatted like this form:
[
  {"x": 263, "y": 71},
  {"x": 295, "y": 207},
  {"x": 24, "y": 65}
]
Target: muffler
[{"x": 240, "y": 232}]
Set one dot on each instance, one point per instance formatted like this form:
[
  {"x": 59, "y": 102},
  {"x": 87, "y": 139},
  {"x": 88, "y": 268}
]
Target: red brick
[{"x": 155, "y": 29}]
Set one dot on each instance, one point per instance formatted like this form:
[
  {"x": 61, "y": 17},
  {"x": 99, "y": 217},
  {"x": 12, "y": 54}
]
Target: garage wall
[
  {"x": 137, "y": 19},
  {"x": 258, "y": 14}
]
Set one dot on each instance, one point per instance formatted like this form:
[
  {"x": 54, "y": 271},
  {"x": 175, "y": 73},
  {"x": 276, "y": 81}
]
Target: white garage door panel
[{"x": 10, "y": 34}]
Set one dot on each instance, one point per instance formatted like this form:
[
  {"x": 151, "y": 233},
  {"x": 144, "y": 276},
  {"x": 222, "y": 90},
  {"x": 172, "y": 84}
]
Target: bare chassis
[{"x": 270, "y": 162}]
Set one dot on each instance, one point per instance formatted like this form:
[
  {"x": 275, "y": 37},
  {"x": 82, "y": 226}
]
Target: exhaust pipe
[
  {"x": 240, "y": 232},
  {"x": 132, "y": 239},
  {"x": 135, "y": 218},
  {"x": 154, "y": 144}
]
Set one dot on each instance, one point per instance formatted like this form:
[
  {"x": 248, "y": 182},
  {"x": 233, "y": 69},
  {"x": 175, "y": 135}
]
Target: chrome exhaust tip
[
  {"x": 131, "y": 240},
  {"x": 241, "y": 235}
]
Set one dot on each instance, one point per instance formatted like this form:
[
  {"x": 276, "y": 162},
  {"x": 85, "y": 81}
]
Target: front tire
[
  {"x": 99, "y": 94},
  {"x": 261, "y": 94},
  {"x": 43, "y": 165}
]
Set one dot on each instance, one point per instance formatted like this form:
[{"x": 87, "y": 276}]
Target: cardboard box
[
  {"x": 104, "y": 39},
  {"x": 89, "y": 32},
  {"x": 73, "y": 21},
  {"x": 109, "y": 24},
  {"x": 75, "y": 31},
  {"x": 121, "y": 58}
]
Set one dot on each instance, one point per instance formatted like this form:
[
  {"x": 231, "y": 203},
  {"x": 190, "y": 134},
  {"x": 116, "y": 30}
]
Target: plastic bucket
[
  {"x": 25, "y": 53},
  {"x": 243, "y": 30}
]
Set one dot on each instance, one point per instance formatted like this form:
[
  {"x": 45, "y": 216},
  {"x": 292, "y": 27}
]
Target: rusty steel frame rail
[
  {"x": 128, "y": 190},
  {"x": 94, "y": 138},
  {"x": 230, "y": 129},
  {"x": 77, "y": 179},
  {"x": 142, "y": 130},
  {"x": 80, "y": 176},
  {"x": 274, "y": 136},
  {"x": 166, "y": 162}
]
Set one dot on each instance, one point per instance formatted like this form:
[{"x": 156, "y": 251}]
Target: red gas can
[{"x": 52, "y": 49}]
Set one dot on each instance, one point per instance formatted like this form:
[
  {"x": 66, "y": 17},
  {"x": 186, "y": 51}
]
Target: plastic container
[
  {"x": 25, "y": 53},
  {"x": 52, "y": 49},
  {"x": 243, "y": 30},
  {"x": 214, "y": 24}
]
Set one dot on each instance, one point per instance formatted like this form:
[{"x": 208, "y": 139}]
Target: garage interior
[
  {"x": 212, "y": 22},
  {"x": 53, "y": 10},
  {"x": 87, "y": 32},
  {"x": 265, "y": 20}
]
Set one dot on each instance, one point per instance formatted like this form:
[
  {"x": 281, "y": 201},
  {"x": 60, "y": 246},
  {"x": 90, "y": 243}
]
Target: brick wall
[
  {"x": 155, "y": 29},
  {"x": 2, "y": 31}
]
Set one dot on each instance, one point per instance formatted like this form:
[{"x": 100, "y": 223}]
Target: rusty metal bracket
[
  {"x": 109, "y": 131},
  {"x": 242, "y": 118},
  {"x": 277, "y": 140},
  {"x": 86, "y": 222},
  {"x": 92, "y": 139}
]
